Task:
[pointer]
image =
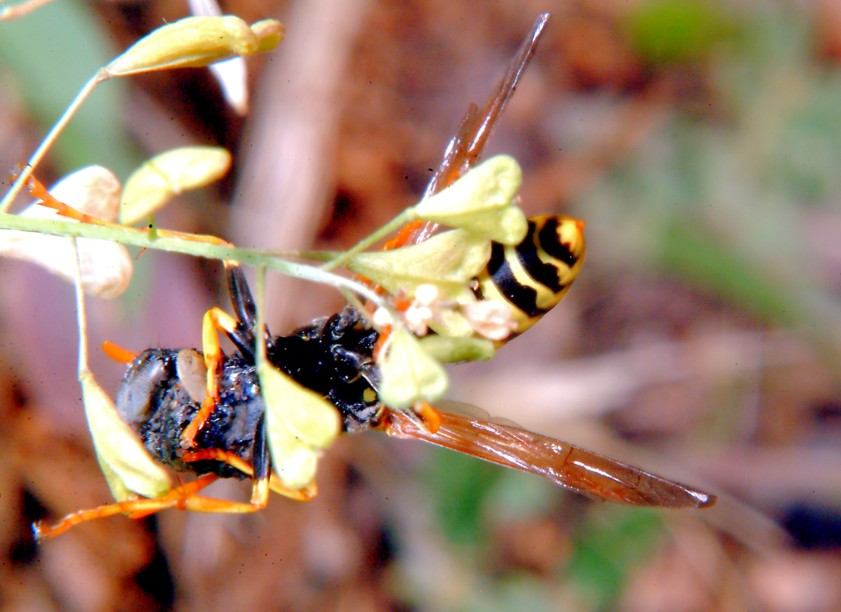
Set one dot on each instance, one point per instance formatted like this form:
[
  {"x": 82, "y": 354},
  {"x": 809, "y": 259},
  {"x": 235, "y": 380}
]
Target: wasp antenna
[{"x": 241, "y": 298}]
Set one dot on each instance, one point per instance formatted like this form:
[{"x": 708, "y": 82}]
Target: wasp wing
[
  {"x": 564, "y": 464},
  {"x": 466, "y": 147}
]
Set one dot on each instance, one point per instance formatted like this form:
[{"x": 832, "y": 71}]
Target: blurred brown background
[{"x": 699, "y": 140}]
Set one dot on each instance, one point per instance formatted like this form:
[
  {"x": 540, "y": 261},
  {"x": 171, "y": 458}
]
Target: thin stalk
[
  {"x": 48, "y": 141},
  {"x": 370, "y": 240},
  {"x": 81, "y": 316},
  {"x": 181, "y": 243},
  {"x": 261, "y": 320}
]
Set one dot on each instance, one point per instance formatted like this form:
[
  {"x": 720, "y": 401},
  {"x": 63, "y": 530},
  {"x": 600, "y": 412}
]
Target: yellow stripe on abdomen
[{"x": 533, "y": 276}]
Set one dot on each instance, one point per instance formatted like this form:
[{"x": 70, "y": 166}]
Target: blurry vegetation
[
  {"x": 607, "y": 548},
  {"x": 677, "y": 31},
  {"x": 49, "y": 55},
  {"x": 726, "y": 201},
  {"x": 720, "y": 214}
]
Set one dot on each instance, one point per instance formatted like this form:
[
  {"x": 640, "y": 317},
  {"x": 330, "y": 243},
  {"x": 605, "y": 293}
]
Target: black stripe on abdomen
[
  {"x": 544, "y": 273},
  {"x": 521, "y": 296},
  {"x": 549, "y": 241}
]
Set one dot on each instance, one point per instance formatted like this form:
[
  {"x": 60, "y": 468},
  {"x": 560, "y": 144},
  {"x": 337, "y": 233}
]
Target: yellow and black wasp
[{"x": 204, "y": 413}]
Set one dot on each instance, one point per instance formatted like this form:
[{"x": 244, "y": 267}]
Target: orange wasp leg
[
  {"x": 117, "y": 352},
  {"x": 431, "y": 418},
  {"x": 181, "y": 498},
  {"x": 237, "y": 462},
  {"x": 214, "y": 321},
  {"x": 404, "y": 236},
  {"x": 217, "y": 320},
  {"x": 39, "y": 191},
  {"x": 135, "y": 508}
]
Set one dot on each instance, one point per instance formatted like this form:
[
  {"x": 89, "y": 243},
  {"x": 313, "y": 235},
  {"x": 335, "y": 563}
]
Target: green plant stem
[
  {"x": 81, "y": 314},
  {"x": 140, "y": 238},
  {"x": 389, "y": 228},
  {"x": 261, "y": 321}
]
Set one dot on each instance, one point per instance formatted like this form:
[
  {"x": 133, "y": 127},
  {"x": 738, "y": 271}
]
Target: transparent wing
[
  {"x": 564, "y": 464},
  {"x": 466, "y": 147}
]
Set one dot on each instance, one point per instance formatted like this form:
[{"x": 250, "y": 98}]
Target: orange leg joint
[{"x": 237, "y": 462}]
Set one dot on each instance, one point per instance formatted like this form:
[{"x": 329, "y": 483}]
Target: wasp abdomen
[{"x": 533, "y": 276}]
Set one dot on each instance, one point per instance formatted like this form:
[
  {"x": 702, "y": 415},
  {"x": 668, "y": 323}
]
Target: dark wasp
[{"x": 205, "y": 413}]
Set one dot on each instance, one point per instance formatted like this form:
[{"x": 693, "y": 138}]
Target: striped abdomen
[{"x": 533, "y": 276}]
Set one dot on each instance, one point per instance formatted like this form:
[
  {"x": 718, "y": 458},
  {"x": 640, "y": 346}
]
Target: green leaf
[
  {"x": 672, "y": 31},
  {"x": 461, "y": 486},
  {"x": 47, "y": 56},
  {"x": 608, "y": 549},
  {"x": 707, "y": 262}
]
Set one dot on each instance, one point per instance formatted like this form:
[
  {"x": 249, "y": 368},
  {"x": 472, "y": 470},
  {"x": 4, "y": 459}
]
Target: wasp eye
[{"x": 144, "y": 375}]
